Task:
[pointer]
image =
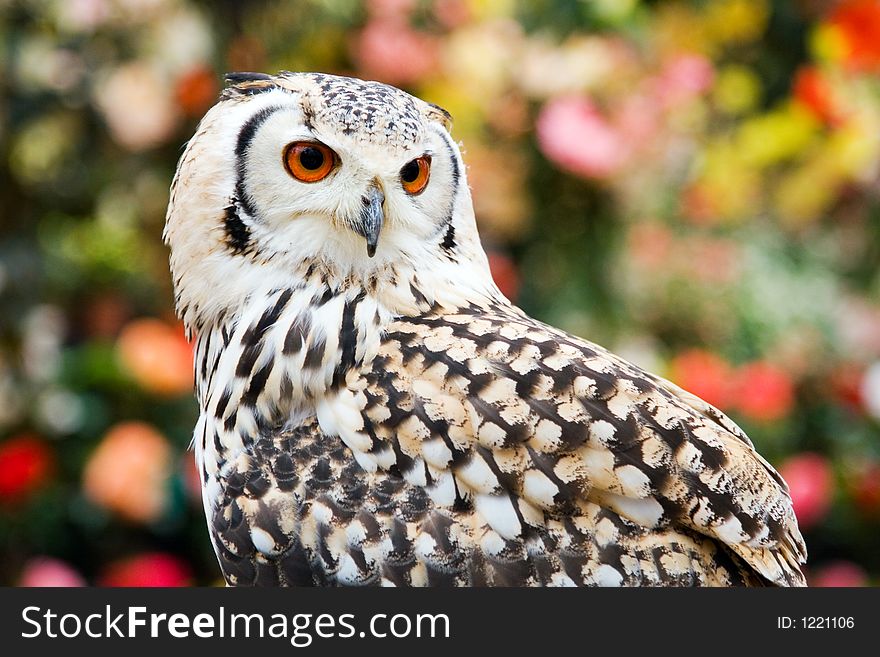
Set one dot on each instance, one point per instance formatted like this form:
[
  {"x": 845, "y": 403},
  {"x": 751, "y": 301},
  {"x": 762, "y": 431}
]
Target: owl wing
[
  {"x": 531, "y": 427},
  {"x": 296, "y": 510}
]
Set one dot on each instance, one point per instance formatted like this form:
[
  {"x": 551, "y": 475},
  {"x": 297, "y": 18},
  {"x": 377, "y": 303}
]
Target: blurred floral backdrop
[{"x": 693, "y": 184}]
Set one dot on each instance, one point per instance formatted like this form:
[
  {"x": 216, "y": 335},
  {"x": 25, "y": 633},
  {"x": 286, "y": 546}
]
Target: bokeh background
[{"x": 692, "y": 184}]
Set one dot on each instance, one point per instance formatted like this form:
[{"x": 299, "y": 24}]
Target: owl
[{"x": 373, "y": 411}]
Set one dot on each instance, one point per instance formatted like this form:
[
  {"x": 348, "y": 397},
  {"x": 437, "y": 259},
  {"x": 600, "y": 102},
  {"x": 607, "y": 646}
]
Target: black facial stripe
[
  {"x": 448, "y": 243},
  {"x": 446, "y": 228},
  {"x": 245, "y": 137},
  {"x": 238, "y": 235},
  {"x": 456, "y": 172}
]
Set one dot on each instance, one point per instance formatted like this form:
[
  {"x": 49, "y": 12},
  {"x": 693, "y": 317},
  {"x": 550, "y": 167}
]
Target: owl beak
[{"x": 370, "y": 220}]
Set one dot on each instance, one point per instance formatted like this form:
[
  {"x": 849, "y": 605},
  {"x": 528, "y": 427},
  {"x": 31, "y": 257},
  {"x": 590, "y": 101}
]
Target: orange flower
[
  {"x": 763, "y": 392},
  {"x": 812, "y": 90},
  {"x": 704, "y": 374},
  {"x": 157, "y": 356},
  {"x": 127, "y": 473},
  {"x": 650, "y": 245},
  {"x": 859, "y": 24},
  {"x": 26, "y": 463}
]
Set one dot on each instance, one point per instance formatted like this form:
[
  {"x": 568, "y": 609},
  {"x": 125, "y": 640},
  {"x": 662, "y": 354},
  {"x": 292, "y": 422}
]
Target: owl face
[
  {"x": 334, "y": 167},
  {"x": 312, "y": 189},
  {"x": 352, "y": 175}
]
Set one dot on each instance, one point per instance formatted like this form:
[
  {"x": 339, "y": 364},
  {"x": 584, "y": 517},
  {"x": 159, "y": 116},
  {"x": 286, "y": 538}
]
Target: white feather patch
[
  {"x": 436, "y": 453},
  {"x": 477, "y": 474},
  {"x": 498, "y": 511},
  {"x": 608, "y": 576},
  {"x": 263, "y": 541},
  {"x": 539, "y": 488},
  {"x": 646, "y": 512}
]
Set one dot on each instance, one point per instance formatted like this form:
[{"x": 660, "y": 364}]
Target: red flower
[
  {"x": 812, "y": 90},
  {"x": 811, "y": 486},
  {"x": 704, "y": 374},
  {"x": 504, "y": 274},
  {"x": 196, "y": 90},
  {"x": 866, "y": 489},
  {"x": 763, "y": 392},
  {"x": 148, "y": 569},
  {"x": 192, "y": 480},
  {"x": 839, "y": 574},
  {"x": 26, "y": 463},
  {"x": 859, "y": 24},
  {"x": 846, "y": 385}
]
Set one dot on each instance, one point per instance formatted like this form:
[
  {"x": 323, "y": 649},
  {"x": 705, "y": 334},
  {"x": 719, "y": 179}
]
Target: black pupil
[
  {"x": 410, "y": 172},
  {"x": 311, "y": 158}
]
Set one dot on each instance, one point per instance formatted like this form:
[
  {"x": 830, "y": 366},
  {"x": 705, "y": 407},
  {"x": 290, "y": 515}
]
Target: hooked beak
[{"x": 369, "y": 223}]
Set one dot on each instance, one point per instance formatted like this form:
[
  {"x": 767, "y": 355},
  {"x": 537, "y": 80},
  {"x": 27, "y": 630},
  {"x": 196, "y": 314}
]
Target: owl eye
[
  {"x": 414, "y": 175},
  {"x": 308, "y": 161}
]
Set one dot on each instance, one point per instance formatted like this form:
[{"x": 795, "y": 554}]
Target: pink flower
[
  {"x": 46, "y": 571},
  {"x": 682, "y": 79},
  {"x": 389, "y": 50},
  {"x": 148, "y": 569},
  {"x": 574, "y": 135},
  {"x": 637, "y": 118},
  {"x": 763, "y": 392},
  {"x": 811, "y": 486},
  {"x": 839, "y": 574}
]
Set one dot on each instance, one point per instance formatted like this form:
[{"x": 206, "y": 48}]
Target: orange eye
[
  {"x": 308, "y": 161},
  {"x": 414, "y": 176}
]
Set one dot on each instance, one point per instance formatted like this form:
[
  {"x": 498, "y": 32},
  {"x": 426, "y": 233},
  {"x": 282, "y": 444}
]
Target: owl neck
[{"x": 273, "y": 360}]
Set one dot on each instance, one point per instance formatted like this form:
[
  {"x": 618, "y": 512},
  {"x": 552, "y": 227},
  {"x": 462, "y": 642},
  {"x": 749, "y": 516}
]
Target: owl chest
[{"x": 272, "y": 365}]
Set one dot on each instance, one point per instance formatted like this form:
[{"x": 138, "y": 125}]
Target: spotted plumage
[{"x": 374, "y": 411}]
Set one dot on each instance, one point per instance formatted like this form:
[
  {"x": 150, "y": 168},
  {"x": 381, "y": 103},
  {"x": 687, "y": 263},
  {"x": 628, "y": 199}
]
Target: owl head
[{"x": 299, "y": 171}]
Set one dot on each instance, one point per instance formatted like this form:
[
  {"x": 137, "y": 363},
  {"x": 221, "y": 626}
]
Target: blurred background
[{"x": 692, "y": 184}]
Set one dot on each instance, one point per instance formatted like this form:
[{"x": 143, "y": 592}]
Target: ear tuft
[
  {"x": 237, "y": 77},
  {"x": 247, "y": 84},
  {"x": 440, "y": 115}
]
